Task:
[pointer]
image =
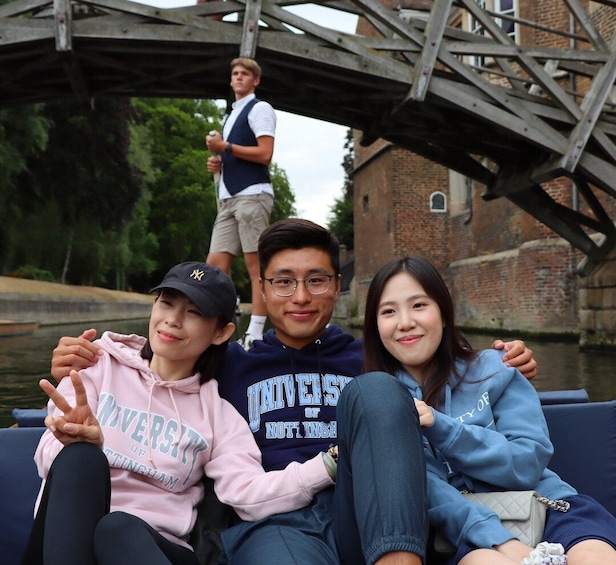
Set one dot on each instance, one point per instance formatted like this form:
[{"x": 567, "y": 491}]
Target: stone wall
[
  {"x": 529, "y": 288},
  {"x": 598, "y": 307},
  {"x": 52, "y": 303}
]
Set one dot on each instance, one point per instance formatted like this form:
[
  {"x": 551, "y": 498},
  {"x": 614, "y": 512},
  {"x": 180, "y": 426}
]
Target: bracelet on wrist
[{"x": 330, "y": 465}]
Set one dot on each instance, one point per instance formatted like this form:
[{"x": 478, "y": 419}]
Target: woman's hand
[
  {"x": 426, "y": 414},
  {"x": 78, "y": 424},
  {"x": 74, "y": 353}
]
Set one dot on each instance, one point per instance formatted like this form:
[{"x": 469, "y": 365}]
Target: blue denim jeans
[
  {"x": 380, "y": 497},
  {"x": 379, "y": 502}
]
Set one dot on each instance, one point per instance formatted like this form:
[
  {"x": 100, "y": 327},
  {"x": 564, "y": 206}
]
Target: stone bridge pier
[{"x": 597, "y": 299}]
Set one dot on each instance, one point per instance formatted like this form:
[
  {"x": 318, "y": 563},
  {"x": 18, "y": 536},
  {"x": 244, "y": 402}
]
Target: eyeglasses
[{"x": 286, "y": 286}]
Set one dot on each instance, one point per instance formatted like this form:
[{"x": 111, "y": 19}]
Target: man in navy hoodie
[{"x": 287, "y": 387}]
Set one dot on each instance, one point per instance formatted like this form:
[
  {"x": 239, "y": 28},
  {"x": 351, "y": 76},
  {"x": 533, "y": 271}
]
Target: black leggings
[{"x": 73, "y": 523}]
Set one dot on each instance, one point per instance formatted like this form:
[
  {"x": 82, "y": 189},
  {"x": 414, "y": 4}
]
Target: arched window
[{"x": 438, "y": 202}]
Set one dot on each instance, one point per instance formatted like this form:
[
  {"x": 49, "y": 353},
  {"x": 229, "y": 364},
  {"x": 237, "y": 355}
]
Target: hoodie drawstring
[
  {"x": 178, "y": 435},
  {"x": 318, "y": 344}
]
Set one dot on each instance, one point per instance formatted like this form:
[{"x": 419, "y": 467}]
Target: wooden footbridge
[{"x": 446, "y": 79}]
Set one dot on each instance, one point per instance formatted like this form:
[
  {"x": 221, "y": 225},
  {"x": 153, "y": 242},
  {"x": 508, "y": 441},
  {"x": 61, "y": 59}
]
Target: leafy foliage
[
  {"x": 340, "y": 221},
  {"x": 23, "y": 134},
  {"x": 340, "y": 218},
  {"x": 85, "y": 169},
  {"x": 85, "y": 164},
  {"x": 33, "y": 273},
  {"x": 284, "y": 202},
  {"x": 113, "y": 194}
]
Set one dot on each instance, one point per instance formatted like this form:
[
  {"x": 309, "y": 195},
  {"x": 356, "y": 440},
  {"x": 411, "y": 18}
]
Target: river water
[{"x": 25, "y": 360}]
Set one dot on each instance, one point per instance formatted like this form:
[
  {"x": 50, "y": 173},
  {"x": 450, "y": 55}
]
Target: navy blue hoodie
[{"x": 289, "y": 396}]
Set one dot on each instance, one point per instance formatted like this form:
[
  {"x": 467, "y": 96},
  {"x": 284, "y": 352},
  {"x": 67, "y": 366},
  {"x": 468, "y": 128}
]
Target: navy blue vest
[{"x": 239, "y": 173}]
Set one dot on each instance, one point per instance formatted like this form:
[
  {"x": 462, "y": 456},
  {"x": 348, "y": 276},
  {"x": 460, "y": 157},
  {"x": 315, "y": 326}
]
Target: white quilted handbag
[{"x": 521, "y": 512}]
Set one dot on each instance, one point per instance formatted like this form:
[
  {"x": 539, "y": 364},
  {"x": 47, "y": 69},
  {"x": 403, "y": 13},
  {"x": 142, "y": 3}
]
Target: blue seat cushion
[
  {"x": 29, "y": 417},
  {"x": 584, "y": 438},
  {"x": 19, "y": 486},
  {"x": 563, "y": 396}
]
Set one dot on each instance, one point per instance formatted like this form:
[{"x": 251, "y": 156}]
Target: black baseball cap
[{"x": 210, "y": 290}]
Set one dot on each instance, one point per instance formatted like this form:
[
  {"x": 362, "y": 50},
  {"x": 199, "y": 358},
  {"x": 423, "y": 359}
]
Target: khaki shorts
[{"x": 240, "y": 222}]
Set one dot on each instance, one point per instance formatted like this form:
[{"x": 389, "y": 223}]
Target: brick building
[{"x": 505, "y": 269}]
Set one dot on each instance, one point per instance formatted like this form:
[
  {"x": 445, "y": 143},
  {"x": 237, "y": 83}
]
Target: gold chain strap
[{"x": 559, "y": 505}]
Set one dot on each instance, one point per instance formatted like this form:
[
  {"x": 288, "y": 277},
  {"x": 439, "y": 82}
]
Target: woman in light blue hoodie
[{"x": 482, "y": 422}]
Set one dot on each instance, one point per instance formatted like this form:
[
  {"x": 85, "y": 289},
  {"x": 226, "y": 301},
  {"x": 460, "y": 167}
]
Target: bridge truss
[{"x": 510, "y": 113}]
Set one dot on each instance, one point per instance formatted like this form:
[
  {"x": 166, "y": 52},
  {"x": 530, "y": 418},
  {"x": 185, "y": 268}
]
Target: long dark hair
[
  {"x": 209, "y": 361},
  {"x": 453, "y": 344}
]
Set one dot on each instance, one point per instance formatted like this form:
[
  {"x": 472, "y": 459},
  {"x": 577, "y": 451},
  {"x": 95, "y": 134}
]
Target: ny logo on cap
[{"x": 197, "y": 274}]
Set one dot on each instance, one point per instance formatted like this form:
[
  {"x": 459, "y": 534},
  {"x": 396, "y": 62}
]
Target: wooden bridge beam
[{"x": 410, "y": 82}]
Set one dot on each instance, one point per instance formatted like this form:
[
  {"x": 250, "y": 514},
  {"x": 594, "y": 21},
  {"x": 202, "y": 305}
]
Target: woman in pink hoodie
[{"x": 129, "y": 440}]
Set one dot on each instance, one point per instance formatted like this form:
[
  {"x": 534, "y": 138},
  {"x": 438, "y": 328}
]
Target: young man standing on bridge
[{"x": 240, "y": 159}]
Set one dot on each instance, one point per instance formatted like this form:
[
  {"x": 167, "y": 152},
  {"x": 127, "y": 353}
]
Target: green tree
[
  {"x": 86, "y": 168},
  {"x": 340, "y": 218},
  {"x": 284, "y": 202},
  {"x": 23, "y": 134},
  {"x": 182, "y": 205},
  {"x": 175, "y": 125},
  {"x": 122, "y": 192},
  {"x": 340, "y": 221},
  {"x": 143, "y": 245}
]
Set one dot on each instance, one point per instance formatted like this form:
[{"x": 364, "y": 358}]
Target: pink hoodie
[{"x": 161, "y": 437}]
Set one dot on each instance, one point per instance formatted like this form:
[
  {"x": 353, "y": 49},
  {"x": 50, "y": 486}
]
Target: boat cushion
[
  {"x": 29, "y": 417},
  {"x": 563, "y": 396},
  {"x": 584, "y": 438},
  {"x": 19, "y": 486},
  {"x": 583, "y": 434}
]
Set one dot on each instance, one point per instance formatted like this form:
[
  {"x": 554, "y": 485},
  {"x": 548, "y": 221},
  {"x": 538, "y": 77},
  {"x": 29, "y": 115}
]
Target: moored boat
[{"x": 10, "y": 328}]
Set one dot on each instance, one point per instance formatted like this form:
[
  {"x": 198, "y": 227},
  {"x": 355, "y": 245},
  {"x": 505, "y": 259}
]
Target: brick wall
[
  {"x": 392, "y": 212},
  {"x": 373, "y": 205},
  {"x": 504, "y": 268},
  {"x": 530, "y": 288}
]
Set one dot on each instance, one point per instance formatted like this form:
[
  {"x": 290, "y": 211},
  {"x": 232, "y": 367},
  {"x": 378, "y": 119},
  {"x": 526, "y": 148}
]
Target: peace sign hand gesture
[{"x": 78, "y": 424}]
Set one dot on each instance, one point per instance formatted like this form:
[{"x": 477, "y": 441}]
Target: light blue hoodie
[{"x": 491, "y": 435}]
